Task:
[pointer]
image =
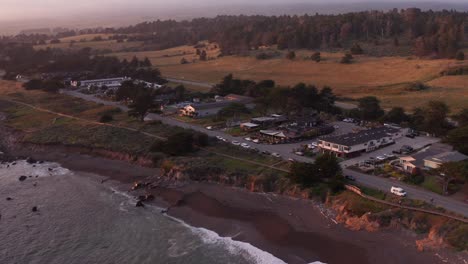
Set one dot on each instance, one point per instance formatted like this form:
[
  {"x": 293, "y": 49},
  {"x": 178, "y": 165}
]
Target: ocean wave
[{"x": 254, "y": 254}]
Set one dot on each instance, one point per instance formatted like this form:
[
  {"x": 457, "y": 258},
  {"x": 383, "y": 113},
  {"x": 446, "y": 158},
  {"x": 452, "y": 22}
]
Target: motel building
[{"x": 353, "y": 144}]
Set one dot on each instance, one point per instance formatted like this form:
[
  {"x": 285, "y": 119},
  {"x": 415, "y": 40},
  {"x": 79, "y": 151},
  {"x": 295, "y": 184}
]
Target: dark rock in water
[
  {"x": 149, "y": 197},
  {"x": 30, "y": 160},
  {"x": 50, "y": 169},
  {"x": 22, "y": 178},
  {"x": 41, "y": 161},
  {"x": 37, "y": 176},
  {"x": 141, "y": 198},
  {"x": 9, "y": 198},
  {"x": 140, "y": 204},
  {"x": 34, "y": 209},
  {"x": 35, "y": 184},
  {"x": 30, "y": 176},
  {"x": 13, "y": 164}
]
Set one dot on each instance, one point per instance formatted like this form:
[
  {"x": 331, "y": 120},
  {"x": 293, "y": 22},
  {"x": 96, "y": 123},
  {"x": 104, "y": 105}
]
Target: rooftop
[
  {"x": 452, "y": 156},
  {"x": 361, "y": 137}
]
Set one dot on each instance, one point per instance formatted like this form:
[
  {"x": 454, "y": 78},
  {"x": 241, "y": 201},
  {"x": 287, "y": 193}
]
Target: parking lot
[{"x": 416, "y": 143}]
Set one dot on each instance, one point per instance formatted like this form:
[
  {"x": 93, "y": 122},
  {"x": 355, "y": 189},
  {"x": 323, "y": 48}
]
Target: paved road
[
  {"x": 188, "y": 82},
  {"x": 285, "y": 151},
  {"x": 414, "y": 192}
]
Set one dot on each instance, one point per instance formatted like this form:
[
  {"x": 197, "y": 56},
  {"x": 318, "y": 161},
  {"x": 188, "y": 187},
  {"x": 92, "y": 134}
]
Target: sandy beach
[{"x": 297, "y": 231}]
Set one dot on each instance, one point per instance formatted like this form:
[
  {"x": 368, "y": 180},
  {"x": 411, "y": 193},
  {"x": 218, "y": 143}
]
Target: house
[
  {"x": 434, "y": 162},
  {"x": 353, "y": 144},
  {"x": 110, "y": 82},
  {"x": 248, "y": 126},
  {"x": 198, "y": 110},
  {"x": 430, "y": 158}
]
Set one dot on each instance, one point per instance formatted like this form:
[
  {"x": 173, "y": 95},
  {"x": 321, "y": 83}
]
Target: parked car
[
  {"x": 390, "y": 156},
  {"x": 219, "y": 138},
  {"x": 256, "y": 141},
  {"x": 235, "y": 143},
  {"x": 274, "y": 154},
  {"x": 244, "y": 145},
  {"x": 209, "y": 127},
  {"x": 336, "y": 126},
  {"x": 248, "y": 139},
  {"x": 350, "y": 178},
  {"x": 299, "y": 153},
  {"x": 315, "y": 144},
  {"x": 381, "y": 158},
  {"x": 409, "y": 135},
  {"x": 291, "y": 160},
  {"x": 398, "y": 191},
  {"x": 265, "y": 152}
]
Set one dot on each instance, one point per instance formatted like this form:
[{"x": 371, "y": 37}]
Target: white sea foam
[
  {"x": 235, "y": 247},
  {"x": 13, "y": 170}
]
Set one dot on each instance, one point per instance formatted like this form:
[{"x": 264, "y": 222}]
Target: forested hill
[{"x": 439, "y": 33}]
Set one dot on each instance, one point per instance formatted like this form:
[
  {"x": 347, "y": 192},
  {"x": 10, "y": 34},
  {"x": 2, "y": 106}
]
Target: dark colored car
[{"x": 350, "y": 178}]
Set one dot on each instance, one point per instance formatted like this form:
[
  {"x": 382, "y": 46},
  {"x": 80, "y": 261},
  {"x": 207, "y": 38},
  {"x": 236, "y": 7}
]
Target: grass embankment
[{"x": 47, "y": 128}]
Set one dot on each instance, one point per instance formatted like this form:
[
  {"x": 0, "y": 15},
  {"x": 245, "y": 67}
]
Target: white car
[
  {"x": 381, "y": 158},
  {"x": 389, "y": 156},
  {"x": 315, "y": 144},
  {"x": 244, "y": 145},
  {"x": 209, "y": 127},
  {"x": 256, "y": 141},
  {"x": 220, "y": 138},
  {"x": 274, "y": 154},
  {"x": 248, "y": 139},
  {"x": 235, "y": 143},
  {"x": 299, "y": 153},
  {"x": 398, "y": 191}
]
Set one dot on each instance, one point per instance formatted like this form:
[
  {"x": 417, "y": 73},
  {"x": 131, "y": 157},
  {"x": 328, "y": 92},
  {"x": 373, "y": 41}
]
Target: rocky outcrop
[
  {"x": 22, "y": 178},
  {"x": 433, "y": 241}
]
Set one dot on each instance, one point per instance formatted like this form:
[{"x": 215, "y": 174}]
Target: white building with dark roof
[{"x": 352, "y": 144}]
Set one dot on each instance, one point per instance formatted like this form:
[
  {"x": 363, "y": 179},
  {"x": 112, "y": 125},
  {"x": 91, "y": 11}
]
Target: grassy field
[
  {"x": 385, "y": 77},
  {"x": 84, "y": 41}
]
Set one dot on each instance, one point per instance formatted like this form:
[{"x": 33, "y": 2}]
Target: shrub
[
  {"x": 291, "y": 55},
  {"x": 418, "y": 86},
  {"x": 347, "y": 59},
  {"x": 106, "y": 118},
  {"x": 356, "y": 49},
  {"x": 458, "y": 237},
  {"x": 460, "y": 55}
]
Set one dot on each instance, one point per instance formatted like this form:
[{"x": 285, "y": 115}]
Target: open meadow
[{"x": 388, "y": 78}]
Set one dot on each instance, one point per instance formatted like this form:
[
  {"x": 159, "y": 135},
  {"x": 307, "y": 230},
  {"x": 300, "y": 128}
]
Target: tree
[
  {"x": 203, "y": 55},
  {"x": 146, "y": 63},
  {"x": 435, "y": 118},
  {"x": 327, "y": 166},
  {"x": 460, "y": 55},
  {"x": 347, "y": 59},
  {"x": 34, "y": 84},
  {"x": 458, "y": 138},
  {"x": 291, "y": 55},
  {"x": 396, "y": 115},
  {"x": 233, "y": 109},
  {"x": 462, "y": 117},
  {"x": 179, "y": 92},
  {"x": 303, "y": 174},
  {"x": 142, "y": 104},
  {"x": 451, "y": 171},
  {"x": 369, "y": 108},
  {"x": 356, "y": 49}
]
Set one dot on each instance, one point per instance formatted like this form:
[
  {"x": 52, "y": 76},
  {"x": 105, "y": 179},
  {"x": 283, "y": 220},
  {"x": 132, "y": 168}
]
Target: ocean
[{"x": 80, "y": 220}]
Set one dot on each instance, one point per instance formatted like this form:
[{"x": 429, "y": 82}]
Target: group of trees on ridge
[{"x": 438, "y": 33}]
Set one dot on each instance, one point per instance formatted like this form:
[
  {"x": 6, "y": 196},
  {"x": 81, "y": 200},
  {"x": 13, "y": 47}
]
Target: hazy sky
[{"x": 24, "y": 9}]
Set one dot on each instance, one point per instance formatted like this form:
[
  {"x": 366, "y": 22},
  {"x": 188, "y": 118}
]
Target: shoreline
[{"x": 293, "y": 230}]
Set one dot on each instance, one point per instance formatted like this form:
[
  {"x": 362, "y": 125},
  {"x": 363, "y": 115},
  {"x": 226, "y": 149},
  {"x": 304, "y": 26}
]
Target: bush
[
  {"x": 291, "y": 55},
  {"x": 316, "y": 57},
  {"x": 347, "y": 59},
  {"x": 417, "y": 86},
  {"x": 106, "y": 118},
  {"x": 356, "y": 49},
  {"x": 458, "y": 237},
  {"x": 460, "y": 56}
]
